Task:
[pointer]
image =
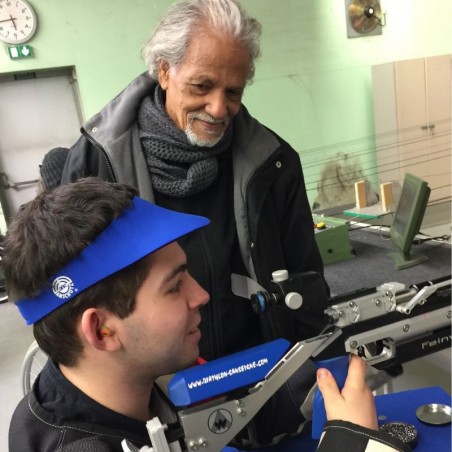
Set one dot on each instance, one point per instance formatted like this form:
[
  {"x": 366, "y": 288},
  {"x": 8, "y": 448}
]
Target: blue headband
[{"x": 139, "y": 231}]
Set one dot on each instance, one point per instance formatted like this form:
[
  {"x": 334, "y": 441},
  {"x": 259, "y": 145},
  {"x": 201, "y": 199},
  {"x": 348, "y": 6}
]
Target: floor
[{"x": 16, "y": 337}]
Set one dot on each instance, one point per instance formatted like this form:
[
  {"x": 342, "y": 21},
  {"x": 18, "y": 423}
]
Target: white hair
[{"x": 171, "y": 37}]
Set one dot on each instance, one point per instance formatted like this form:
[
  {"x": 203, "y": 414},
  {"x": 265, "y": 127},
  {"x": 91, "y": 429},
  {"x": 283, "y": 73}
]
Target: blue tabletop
[
  {"x": 402, "y": 406},
  {"x": 396, "y": 407}
]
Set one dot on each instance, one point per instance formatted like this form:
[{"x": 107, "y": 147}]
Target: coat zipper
[{"x": 97, "y": 145}]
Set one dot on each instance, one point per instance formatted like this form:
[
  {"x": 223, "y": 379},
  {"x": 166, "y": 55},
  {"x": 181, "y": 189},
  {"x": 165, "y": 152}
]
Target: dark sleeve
[
  {"x": 278, "y": 209},
  {"x": 84, "y": 160},
  {"x": 341, "y": 436},
  {"x": 301, "y": 248},
  {"x": 301, "y": 252}
]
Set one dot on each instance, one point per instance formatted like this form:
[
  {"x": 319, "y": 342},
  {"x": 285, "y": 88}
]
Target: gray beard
[{"x": 194, "y": 140}]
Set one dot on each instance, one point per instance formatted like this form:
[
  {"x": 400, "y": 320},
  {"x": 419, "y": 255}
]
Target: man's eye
[
  {"x": 176, "y": 287},
  {"x": 200, "y": 87},
  {"x": 235, "y": 95}
]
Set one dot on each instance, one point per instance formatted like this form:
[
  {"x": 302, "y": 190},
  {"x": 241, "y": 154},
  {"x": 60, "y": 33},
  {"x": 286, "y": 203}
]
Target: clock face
[{"x": 17, "y": 21}]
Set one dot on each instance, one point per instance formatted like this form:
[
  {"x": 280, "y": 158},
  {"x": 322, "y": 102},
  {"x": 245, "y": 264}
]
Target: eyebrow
[
  {"x": 179, "y": 269},
  {"x": 195, "y": 79}
]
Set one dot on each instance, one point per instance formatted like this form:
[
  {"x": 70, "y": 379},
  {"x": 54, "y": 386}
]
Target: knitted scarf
[{"x": 177, "y": 167}]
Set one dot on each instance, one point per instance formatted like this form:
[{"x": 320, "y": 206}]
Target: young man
[{"x": 98, "y": 273}]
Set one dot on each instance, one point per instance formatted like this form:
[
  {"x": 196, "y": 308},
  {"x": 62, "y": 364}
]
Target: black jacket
[{"x": 57, "y": 416}]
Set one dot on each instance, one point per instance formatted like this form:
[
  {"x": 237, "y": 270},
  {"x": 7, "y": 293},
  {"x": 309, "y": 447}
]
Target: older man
[{"x": 181, "y": 135}]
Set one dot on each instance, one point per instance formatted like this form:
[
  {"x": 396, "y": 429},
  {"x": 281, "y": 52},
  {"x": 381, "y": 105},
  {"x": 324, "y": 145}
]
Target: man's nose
[
  {"x": 198, "y": 296},
  {"x": 217, "y": 105}
]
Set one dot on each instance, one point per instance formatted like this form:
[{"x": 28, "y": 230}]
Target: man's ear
[
  {"x": 97, "y": 327},
  {"x": 164, "y": 70}
]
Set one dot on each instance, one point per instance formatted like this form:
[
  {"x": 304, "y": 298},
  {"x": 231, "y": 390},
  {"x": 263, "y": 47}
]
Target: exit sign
[{"x": 23, "y": 51}]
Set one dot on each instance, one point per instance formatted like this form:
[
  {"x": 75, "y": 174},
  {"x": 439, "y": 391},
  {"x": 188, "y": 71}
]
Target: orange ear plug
[{"x": 105, "y": 331}]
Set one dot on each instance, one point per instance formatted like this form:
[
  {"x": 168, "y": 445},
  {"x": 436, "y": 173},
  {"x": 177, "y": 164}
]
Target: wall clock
[{"x": 18, "y": 21}]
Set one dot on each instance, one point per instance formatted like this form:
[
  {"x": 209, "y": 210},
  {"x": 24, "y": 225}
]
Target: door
[
  {"x": 438, "y": 87},
  {"x": 412, "y": 114},
  {"x": 38, "y": 111}
]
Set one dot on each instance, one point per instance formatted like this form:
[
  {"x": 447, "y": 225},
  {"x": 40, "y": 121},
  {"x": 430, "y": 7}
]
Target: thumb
[{"x": 327, "y": 385}]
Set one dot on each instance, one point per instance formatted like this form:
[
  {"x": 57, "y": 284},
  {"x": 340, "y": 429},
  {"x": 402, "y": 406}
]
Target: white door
[{"x": 38, "y": 111}]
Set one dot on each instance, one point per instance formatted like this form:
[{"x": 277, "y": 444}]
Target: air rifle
[{"x": 387, "y": 325}]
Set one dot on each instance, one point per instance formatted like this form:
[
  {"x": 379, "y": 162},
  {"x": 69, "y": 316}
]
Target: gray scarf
[{"x": 177, "y": 167}]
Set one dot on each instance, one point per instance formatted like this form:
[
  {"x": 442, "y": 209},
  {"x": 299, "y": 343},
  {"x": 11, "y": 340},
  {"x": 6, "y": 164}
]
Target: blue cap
[{"x": 137, "y": 232}]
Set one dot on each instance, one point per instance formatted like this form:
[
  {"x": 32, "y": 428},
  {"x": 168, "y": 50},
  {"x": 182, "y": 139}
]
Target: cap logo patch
[{"x": 63, "y": 287}]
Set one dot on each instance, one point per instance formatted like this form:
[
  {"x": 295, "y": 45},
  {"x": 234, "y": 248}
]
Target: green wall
[
  {"x": 102, "y": 39},
  {"x": 312, "y": 84}
]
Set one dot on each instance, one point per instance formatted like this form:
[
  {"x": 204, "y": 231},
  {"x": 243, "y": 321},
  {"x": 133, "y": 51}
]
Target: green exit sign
[{"x": 23, "y": 51}]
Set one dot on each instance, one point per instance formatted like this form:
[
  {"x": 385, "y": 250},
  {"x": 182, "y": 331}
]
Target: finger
[
  {"x": 327, "y": 385},
  {"x": 356, "y": 375}
]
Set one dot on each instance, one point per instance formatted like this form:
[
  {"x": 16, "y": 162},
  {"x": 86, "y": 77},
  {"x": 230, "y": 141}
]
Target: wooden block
[
  {"x": 360, "y": 194},
  {"x": 386, "y": 196}
]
